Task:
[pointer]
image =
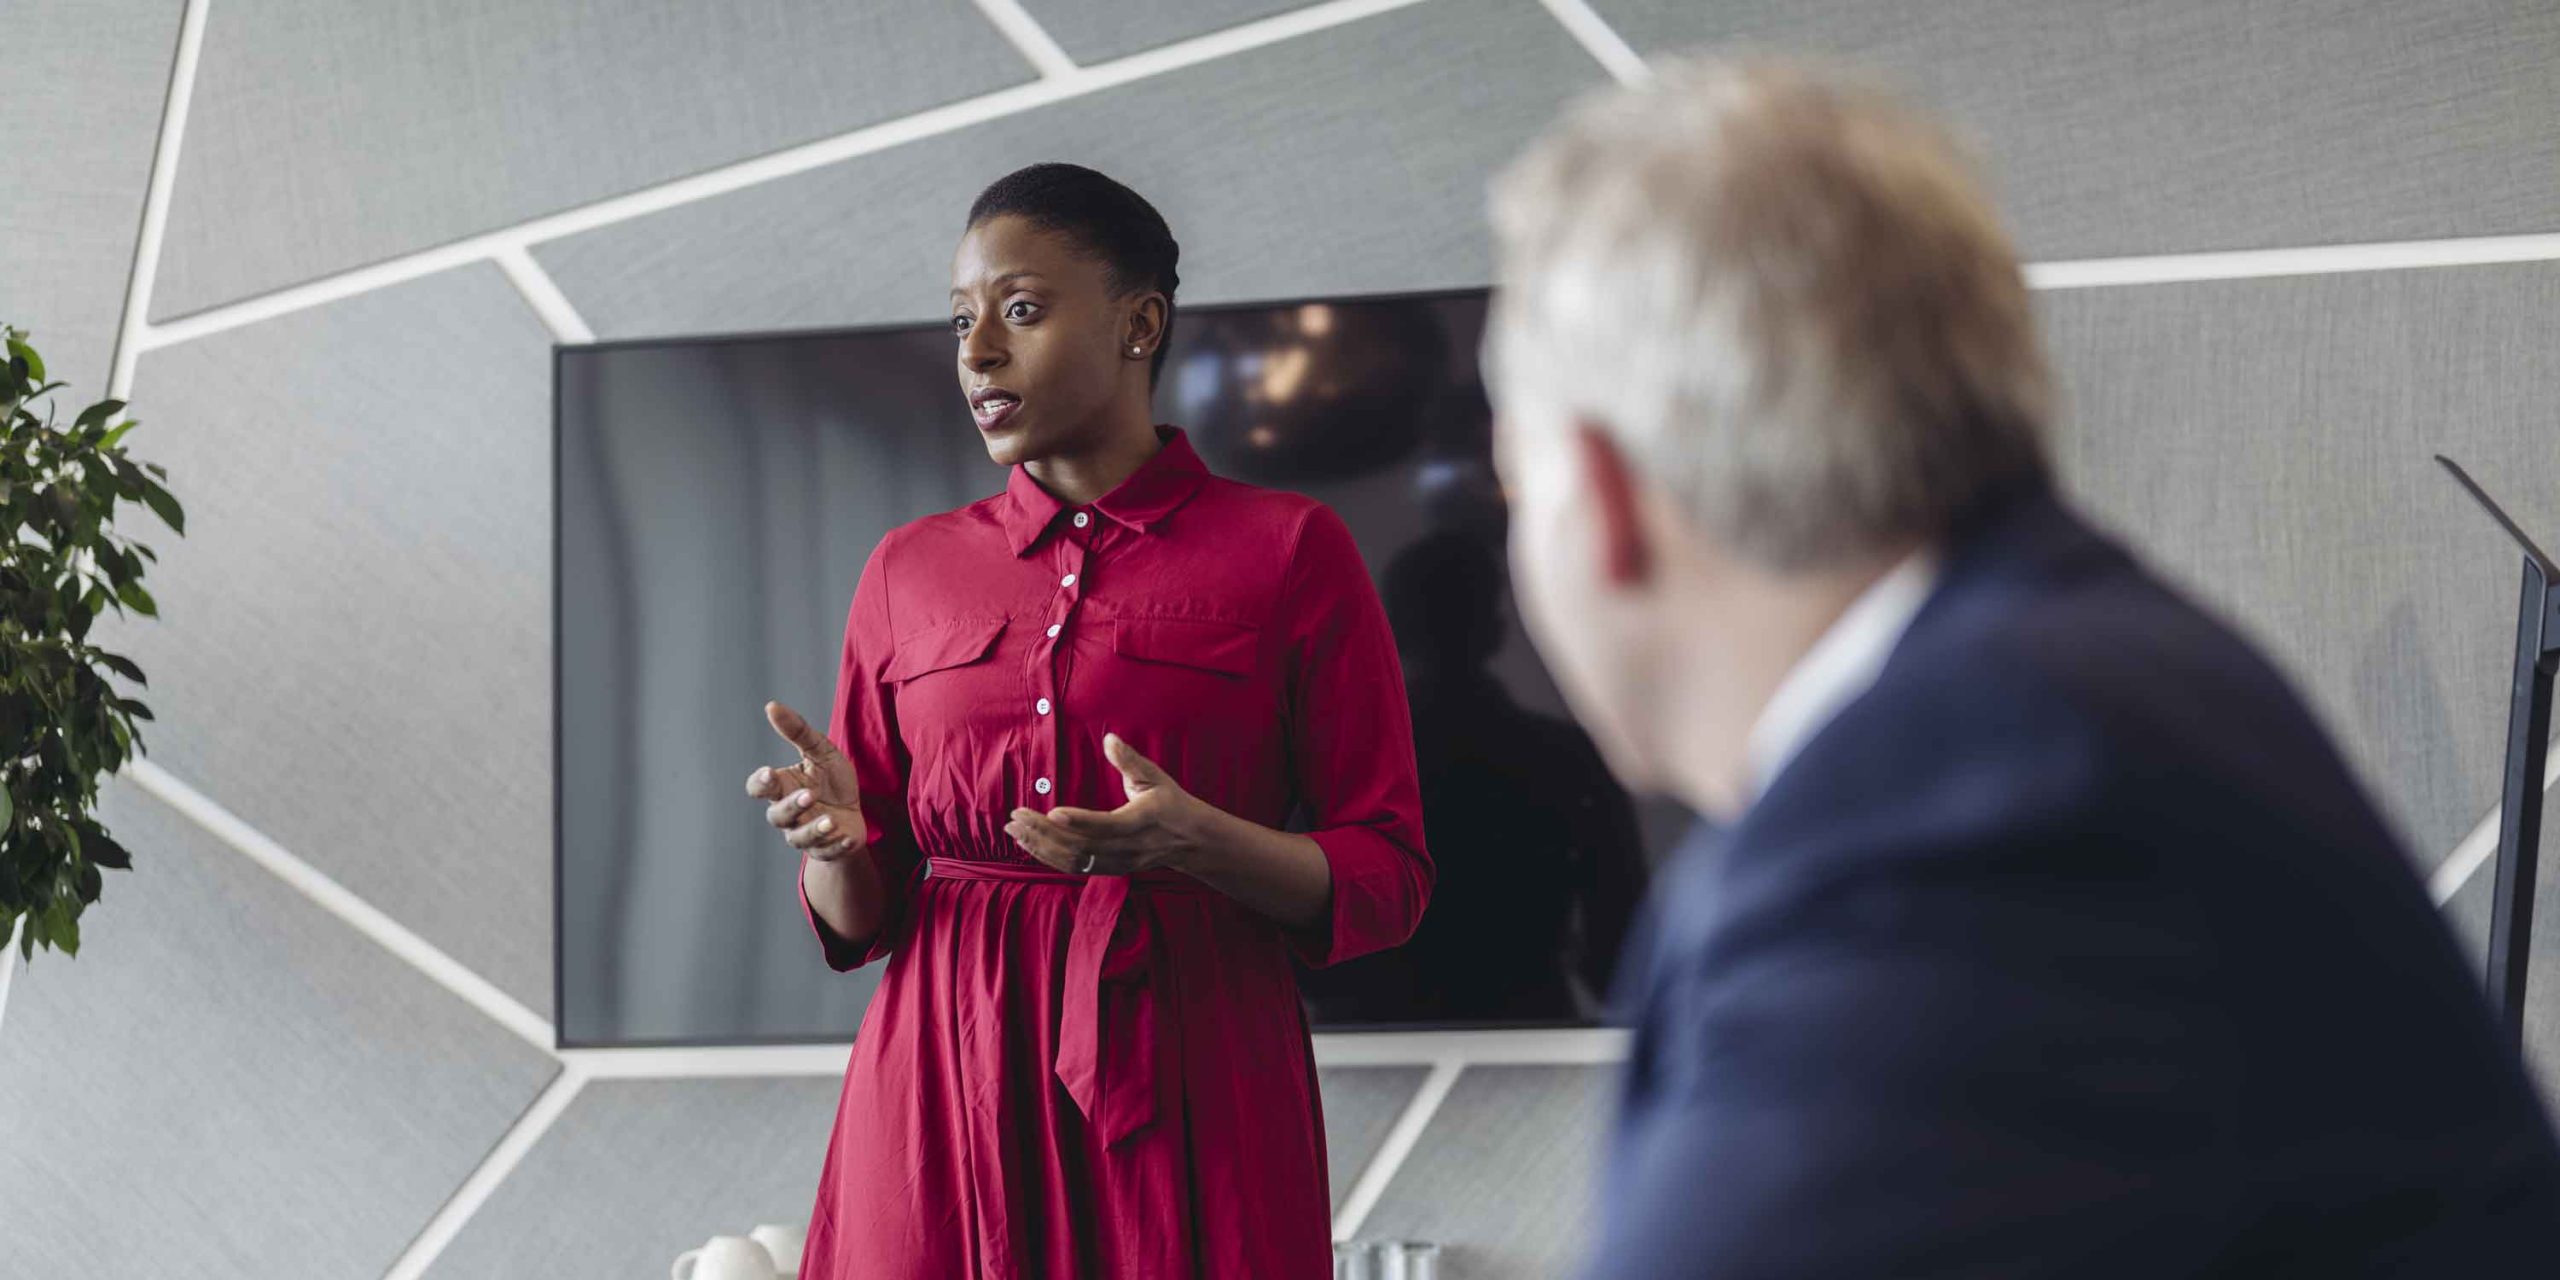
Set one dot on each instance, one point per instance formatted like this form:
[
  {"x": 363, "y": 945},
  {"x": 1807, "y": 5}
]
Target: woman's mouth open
[{"x": 993, "y": 407}]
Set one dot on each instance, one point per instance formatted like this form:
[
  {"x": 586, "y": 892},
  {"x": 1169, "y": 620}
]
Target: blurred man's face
[{"x": 1590, "y": 632}]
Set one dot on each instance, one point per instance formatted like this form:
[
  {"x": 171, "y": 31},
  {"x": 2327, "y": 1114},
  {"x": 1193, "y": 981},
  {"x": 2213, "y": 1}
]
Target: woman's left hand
[{"x": 1153, "y": 830}]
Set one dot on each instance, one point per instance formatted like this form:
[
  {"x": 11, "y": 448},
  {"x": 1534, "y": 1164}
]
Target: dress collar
[{"x": 1161, "y": 483}]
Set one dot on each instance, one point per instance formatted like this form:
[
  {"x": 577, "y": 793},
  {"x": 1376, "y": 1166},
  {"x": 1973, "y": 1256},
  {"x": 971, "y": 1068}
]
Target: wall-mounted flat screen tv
[{"x": 715, "y": 498}]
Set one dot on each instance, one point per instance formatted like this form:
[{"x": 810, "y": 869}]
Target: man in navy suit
[{"x": 2045, "y": 932}]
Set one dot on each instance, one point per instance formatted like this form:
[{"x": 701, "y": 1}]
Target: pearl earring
[{"x": 1133, "y": 351}]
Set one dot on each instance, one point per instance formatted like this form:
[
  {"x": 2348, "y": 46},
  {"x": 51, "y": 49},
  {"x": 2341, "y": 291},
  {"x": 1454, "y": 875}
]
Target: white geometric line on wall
[
  {"x": 2308, "y": 260},
  {"x": 131, "y": 332},
  {"x": 2476, "y": 848},
  {"x": 1595, "y": 34},
  {"x": 1028, "y": 36},
  {"x": 455, "y": 1213},
  {"x": 791, "y": 160},
  {"x": 543, "y": 295},
  {"x": 2084, "y": 273},
  {"x": 338, "y": 900},
  {"x": 1399, "y": 1144}
]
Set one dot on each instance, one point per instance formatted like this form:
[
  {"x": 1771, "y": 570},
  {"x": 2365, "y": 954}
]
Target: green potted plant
[{"x": 61, "y": 722}]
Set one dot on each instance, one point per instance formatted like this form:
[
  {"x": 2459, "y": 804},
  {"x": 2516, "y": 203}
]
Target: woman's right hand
[{"x": 815, "y": 801}]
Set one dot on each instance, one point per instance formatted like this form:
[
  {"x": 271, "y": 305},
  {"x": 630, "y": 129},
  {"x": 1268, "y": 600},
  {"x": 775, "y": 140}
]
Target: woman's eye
[
  {"x": 959, "y": 324},
  {"x": 1010, "y": 308}
]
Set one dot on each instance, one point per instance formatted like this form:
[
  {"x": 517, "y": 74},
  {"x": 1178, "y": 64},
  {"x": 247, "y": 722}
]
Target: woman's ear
[{"x": 1144, "y": 328}]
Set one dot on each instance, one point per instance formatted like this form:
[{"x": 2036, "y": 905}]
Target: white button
[
  {"x": 1040, "y": 785},
  {"x": 1082, "y": 519},
  {"x": 1053, "y": 630},
  {"x": 1067, "y": 581},
  {"x": 1044, "y": 706}
]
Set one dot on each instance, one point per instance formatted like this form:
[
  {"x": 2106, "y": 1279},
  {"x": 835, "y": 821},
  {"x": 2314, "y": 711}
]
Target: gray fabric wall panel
[
  {"x": 1360, "y": 1105},
  {"x": 353, "y": 652},
  {"x": 1096, "y": 30},
  {"x": 1502, "y": 1176},
  {"x": 1348, "y": 160},
  {"x": 635, "y": 1172},
  {"x": 228, "y": 1082},
  {"x": 86, "y": 78},
  {"x": 2182, "y": 125},
  {"x": 326, "y": 136},
  {"x": 2270, "y": 441}
]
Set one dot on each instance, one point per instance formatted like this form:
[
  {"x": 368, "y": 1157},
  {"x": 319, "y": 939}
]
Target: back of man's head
[{"x": 1783, "y": 295}]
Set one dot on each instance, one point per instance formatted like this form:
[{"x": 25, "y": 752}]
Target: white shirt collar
[{"x": 1840, "y": 665}]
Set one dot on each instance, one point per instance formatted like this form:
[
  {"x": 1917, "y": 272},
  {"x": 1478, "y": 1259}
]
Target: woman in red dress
[{"x": 1069, "y": 722}]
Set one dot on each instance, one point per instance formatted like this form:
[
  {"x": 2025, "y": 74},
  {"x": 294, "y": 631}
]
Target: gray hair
[{"x": 1782, "y": 293}]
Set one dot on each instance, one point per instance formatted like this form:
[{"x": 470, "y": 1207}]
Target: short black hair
[{"x": 1108, "y": 220}]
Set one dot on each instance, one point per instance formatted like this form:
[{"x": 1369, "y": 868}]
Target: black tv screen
[{"x": 715, "y": 498}]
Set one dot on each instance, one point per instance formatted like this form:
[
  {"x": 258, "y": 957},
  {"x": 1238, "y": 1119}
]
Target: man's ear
[{"x": 1611, "y": 489}]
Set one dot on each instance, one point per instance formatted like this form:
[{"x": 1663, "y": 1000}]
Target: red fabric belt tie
[{"x": 1112, "y": 1041}]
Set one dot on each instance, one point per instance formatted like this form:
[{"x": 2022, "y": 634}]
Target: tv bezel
[{"x": 1518, "y": 1041}]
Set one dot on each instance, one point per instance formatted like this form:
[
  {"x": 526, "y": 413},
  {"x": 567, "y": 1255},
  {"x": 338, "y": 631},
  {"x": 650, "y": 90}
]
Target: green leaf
[
  {"x": 118, "y": 434},
  {"x": 120, "y": 664},
  {"x": 92, "y": 881},
  {"x": 105, "y": 852},
  {"x": 137, "y": 599},
  {"x": 65, "y": 926},
  {"x": 97, "y": 414},
  {"x": 35, "y": 363},
  {"x": 8, "y": 807},
  {"x": 166, "y": 504},
  {"x": 129, "y": 478}
]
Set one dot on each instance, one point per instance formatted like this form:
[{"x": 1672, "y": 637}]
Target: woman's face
[{"x": 1043, "y": 346}]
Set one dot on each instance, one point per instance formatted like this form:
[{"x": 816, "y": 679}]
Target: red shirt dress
[{"x": 1105, "y": 1076}]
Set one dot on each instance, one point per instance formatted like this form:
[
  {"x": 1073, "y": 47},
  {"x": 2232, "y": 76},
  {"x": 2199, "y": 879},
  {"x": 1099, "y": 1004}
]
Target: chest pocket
[
  {"x": 1209, "y": 644},
  {"x": 946, "y": 644}
]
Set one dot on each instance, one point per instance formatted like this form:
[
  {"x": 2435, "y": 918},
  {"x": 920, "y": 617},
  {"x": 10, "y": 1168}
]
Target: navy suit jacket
[{"x": 2070, "y": 948}]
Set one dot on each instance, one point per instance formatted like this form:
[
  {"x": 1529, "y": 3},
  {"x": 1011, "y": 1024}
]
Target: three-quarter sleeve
[
  {"x": 1350, "y": 745},
  {"x": 863, "y": 724}
]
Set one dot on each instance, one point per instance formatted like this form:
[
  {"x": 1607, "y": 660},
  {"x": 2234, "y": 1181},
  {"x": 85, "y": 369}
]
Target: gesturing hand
[
  {"x": 1152, "y": 830},
  {"x": 815, "y": 802}
]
